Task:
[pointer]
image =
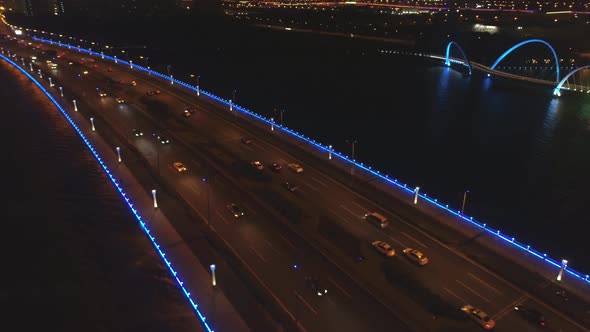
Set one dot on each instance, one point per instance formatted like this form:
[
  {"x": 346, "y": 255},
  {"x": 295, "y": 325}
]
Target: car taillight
[{"x": 542, "y": 323}]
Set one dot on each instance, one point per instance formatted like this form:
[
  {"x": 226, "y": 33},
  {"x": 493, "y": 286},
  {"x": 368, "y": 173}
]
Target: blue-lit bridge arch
[
  {"x": 448, "y": 61},
  {"x": 556, "y": 91},
  {"x": 528, "y": 42}
]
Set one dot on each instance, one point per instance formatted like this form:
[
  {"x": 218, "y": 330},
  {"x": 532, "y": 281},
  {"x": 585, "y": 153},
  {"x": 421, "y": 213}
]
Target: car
[
  {"x": 532, "y": 315},
  {"x": 121, "y": 82},
  {"x": 416, "y": 256},
  {"x": 102, "y": 94},
  {"x": 133, "y": 83},
  {"x": 109, "y": 69},
  {"x": 235, "y": 210},
  {"x": 316, "y": 286},
  {"x": 120, "y": 100},
  {"x": 258, "y": 165},
  {"x": 384, "y": 248},
  {"x": 186, "y": 113},
  {"x": 85, "y": 72},
  {"x": 295, "y": 168},
  {"x": 190, "y": 110},
  {"x": 290, "y": 186},
  {"x": 247, "y": 140},
  {"x": 150, "y": 93},
  {"x": 276, "y": 167},
  {"x": 137, "y": 132},
  {"x": 161, "y": 139},
  {"x": 157, "y": 92},
  {"x": 479, "y": 316},
  {"x": 179, "y": 166}
]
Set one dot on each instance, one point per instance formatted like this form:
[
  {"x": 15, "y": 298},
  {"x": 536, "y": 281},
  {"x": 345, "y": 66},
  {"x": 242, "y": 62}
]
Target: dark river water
[{"x": 522, "y": 154}]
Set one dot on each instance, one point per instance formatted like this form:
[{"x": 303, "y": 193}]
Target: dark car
[
  {"x": 276, "y": 167},
  {"x": 247, "y": 140},
  {"x": 316, "y": 286},
  {"x": 137, "y": 132},
  {"x": 161, "y": 139},
  {"x": 290, "y": 186},
  {"x": 235, "y": 210},
  {"x": 157, "y": 92},
  {"x": 150, "y": 93},
  {"x": 533, "y": 315}
]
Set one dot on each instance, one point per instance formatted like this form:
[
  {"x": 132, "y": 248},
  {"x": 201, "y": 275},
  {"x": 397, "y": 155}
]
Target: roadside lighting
[
  {"x": 92, "y": 122},
  {"x": 230, "y": 105},
  {"x": 213, "y": 281},
  {"x": 75, "y": 106},
  {"x": 131, "y": 64},
  {"x": 118, "y": 153},
  {"x": 171, "y": 79},
  {"x": 563, "y": 267},
  {"x": 352, "y": 142},
  {"x": 272, "y": 124},
  {"x": 416, "y": 195},
  {"x": 50, "y": 83},
  {"x": 149, "y": 70},
  {"x": 115, "y": 59},
  {"x": 330, "y": 152},
  {"x": 61, "y": 91},
  {"x": 40, "y": 74},
  {"x": 154, "y": 196},
  {"x": 101, "y": 54},
  {"x": 464, "y": 200},
  {"x": 31, "y": 65}
]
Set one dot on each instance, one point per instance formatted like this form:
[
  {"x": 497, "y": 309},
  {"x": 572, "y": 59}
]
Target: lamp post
[
  {"x": 92, "y": 122},
  {"x": 464, "y": 200},
  {"x": 40, "y": 73},
  {"x": 118, "y": 153},
  {"x": 170, "y": 74},
  {"x": 61, "y": 91},
  {"x": 562, "y": 269},
  {"x": 131, "y": 64},
  {"x": 31, "y": 66},
  {"x": 213, "y": 281},
  {"x": 115, "y": 58},
  {"x": 330, "y": 152},
  {"x": 234, "y": 96},
  {"x": 101, "y": 54},
  {"x": 198, "y": 86},
  {"x": 154, "y": 197},
  {"x": 230, "y": 105},
  {"x": 50, "y": 83},
  {"x": 416, "y": 195},
  {"x": 75, "y": 106},
  {"x": 272, "y": 124}
]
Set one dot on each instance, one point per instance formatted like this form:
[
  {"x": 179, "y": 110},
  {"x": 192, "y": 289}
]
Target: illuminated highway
[{"x": 270, "y": 237}]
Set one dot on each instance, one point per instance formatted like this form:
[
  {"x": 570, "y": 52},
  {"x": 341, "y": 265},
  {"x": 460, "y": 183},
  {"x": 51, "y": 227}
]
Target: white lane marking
[
  {"x": 250, "y": 209},
  {"x": 222, "y": 218},
  {"x": 489, "y": 286},
  {"x": 309, "y": 185},
  {"x": 257, "y": 253},
  {"x": 288, "y": 242},
  {"x": 472, "y": 290},
  {"x": 420, "y": 243},
  {"x": 273, "y": 248},
  {"x": 307, "y": 304},
  {"x": 360, "y": 206},
  {"x": 320, "y": 182},
  {"x": 508, "y": 308},
  {"x": 398, "y": 242},
  {"x": 337, "y": 215},
  {"x": 339, "y": 287},
  {"x": 349, "y": 211},
  {"x": 457, "y": 296}
]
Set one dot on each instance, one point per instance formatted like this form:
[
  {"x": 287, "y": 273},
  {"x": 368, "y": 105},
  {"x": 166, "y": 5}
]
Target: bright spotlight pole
[
  {"x": 61, "y": 91},
  {"x": 330, "y": 152},
  {"x": 416, "y": 191},
  {"x": 31, "y": 66},
  {"x": 154, "y": 197},
  {"x": 562, "y": 269},
  {"x": 50, "y": 83},
  {"x": 272, "y": 124},
  {"x": 75, "y": 106},
  {"x": 213, "y": 281},
  {"x": 92, "y": 122},
  {"x": 118, "y": 153}
]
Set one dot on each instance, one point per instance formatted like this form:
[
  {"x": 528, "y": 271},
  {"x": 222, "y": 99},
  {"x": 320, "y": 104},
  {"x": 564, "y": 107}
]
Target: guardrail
[
  {"x": 121, "y": 192},
  {"x": 328, "y": 149}
]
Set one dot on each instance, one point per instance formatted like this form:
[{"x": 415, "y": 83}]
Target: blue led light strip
[
  {"x": 121, "y": 192},
  {"x": 327, "y": 148}
]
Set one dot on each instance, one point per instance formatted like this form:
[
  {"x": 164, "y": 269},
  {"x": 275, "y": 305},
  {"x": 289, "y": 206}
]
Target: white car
[
  {"x": 295, "y": 168},
  {"x": 479, "y": 316},
  {"x": 102, "y": 94},
  {"x": 180, "y": 167},
  {"x": 416, "y": 256},
  {"x": 384, "y": 248}
]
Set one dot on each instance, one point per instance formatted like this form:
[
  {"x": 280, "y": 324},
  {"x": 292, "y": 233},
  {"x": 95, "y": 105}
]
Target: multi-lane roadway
[{"x": 318, "y": 230}]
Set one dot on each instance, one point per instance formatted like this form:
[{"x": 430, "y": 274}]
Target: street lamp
[
  {"x": 170, "y": 74},
  {"x": 234, "y": 96},
  {"x": 31, "y": 65},
  {"x": 464, "y": 200},
  {"x": 563, "y": 267},
  {"x": 230, "y": 105},
  {"x": 75, "y": 106},
  {"x": 154, "y": 196},
  {"x": 115, "y": 58},
  {"x": 272, "y": 124},
  {"x": 416, "y": 195},
  {"x": 330, "y": 152},
  {"x": 131, "y": 64},
  {"x": 213, "y": 281},
  {"x": 118, "y": 153},
  {"x": 61, "y": 91},
  {"x": 92, "y": 122},
  {"x": 50, "y": 83}
]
